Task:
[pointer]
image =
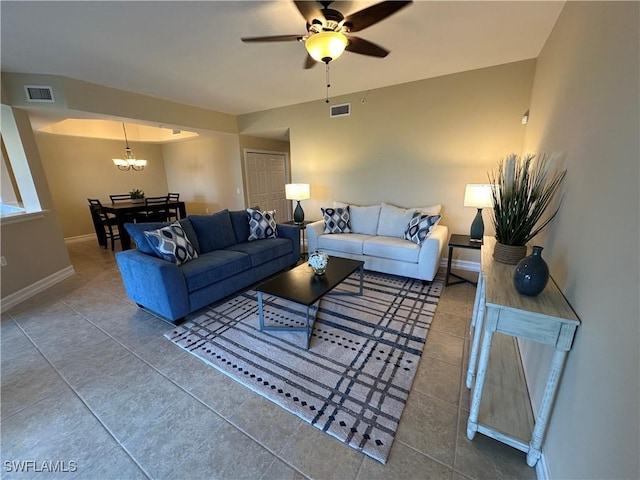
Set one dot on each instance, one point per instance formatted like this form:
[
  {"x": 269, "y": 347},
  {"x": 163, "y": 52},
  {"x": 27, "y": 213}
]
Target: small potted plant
[
  {"x": 522, "y": 191},
  {"x": 137, "y": 196}
]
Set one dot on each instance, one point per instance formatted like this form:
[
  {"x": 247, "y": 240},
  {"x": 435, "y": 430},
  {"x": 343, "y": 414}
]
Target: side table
[
  {"x": 459, "y": 241},
  {"x": 302, "y": 226}
]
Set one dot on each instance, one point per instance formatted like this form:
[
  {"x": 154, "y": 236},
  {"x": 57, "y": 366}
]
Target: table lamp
[
  {"x": 478, "y": 196},
  {"x": 297, "y": 191}
]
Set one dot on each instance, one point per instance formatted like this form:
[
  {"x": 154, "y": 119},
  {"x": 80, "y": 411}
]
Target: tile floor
[{"x": 89, "y": 382}]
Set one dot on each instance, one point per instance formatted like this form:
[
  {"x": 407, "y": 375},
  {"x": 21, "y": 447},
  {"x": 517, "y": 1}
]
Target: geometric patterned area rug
[{"x": 354, "y": 380}]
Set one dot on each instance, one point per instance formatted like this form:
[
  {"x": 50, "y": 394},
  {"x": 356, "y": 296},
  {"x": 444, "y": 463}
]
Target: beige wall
[
  {"x": 269, "y": 144},
  {"x": 412, "y": 145},
  {"x": 78, "y": 168},
  {"x": 34, "y": 249},
  {"x": 206, "y": 172},
  {"x": 93, "y": 99},
  {"x": 585, "y": 102}
]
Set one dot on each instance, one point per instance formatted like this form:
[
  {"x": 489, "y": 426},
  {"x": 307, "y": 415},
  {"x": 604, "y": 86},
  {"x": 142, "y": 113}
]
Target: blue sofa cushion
[
  {"x": 213, "y": 267},
  {"x": 214, "y": 231},
  {"x": 263, "y": 251},
  {"x": 136, "y": 232},
  {"x": 240, "y": 222}
]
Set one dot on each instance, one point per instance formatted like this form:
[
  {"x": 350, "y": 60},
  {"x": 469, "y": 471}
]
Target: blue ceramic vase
[{"x": 531, "y": 274}]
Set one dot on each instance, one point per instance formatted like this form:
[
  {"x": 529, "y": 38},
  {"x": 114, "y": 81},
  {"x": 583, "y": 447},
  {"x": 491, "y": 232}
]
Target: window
[
  {"x": 18, "y": 195},
  {"x": 10, "y": 201}
]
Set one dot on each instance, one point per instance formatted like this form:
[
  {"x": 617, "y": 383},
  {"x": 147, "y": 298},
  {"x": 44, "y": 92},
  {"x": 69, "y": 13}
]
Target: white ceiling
[{"x": 190, "y": 52}]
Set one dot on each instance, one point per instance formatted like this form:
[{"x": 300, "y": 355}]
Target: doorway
[{"x": 266, "y": 174}]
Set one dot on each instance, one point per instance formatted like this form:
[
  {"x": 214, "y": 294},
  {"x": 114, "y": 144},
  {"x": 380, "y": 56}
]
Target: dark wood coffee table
[{"x": 300, "y": 285}]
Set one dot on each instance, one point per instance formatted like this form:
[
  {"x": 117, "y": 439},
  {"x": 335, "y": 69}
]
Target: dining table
[{"x": 125, "y": 211}]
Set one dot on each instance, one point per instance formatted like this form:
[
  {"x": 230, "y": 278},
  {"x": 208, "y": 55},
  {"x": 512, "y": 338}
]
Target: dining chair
[
  {"x": 120, "y": 197},
  {"x": 157, "y": 215},
  {"x": 173, "y": 211},
  {"x": 125, "y": 197},
  {"x": 104, "y": 224},
  {"x": 96, "y": 204}
]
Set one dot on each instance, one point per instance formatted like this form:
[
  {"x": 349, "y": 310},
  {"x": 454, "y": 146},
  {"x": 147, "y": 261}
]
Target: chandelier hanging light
[{"x": 129, "y": 162}]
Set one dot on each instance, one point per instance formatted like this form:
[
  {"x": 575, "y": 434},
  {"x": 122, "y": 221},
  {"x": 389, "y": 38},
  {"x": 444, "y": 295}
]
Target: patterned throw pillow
[
  {"x": 336, "y": 220},
  {"x": 262, "y": 224},
  {"x": 171, "y": 244},
  {"x": 420, "y": 226}
]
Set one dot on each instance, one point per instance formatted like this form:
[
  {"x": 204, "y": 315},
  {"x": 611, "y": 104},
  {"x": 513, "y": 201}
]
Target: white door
[{"x": 266, "y": 175}]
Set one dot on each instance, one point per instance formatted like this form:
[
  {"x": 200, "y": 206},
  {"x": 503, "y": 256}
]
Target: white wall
[{"x": 586, "y": 102}]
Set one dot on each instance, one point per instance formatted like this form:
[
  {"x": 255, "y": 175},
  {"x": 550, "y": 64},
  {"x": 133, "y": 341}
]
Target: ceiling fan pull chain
[{"x": 328, "y": 83}]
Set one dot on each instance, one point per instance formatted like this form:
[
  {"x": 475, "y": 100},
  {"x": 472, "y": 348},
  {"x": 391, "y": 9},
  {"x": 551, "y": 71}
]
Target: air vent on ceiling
[
  {"x": 39, "y": 93},
  {"x": 340, "y": 110}
]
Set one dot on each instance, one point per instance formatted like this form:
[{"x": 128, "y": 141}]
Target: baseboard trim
[
  {"x": 542, "y": 468},
  {"x": 20, "y": 296},
  {"x": 80, "y": 238},
  {"x": 462, "y": 265}
]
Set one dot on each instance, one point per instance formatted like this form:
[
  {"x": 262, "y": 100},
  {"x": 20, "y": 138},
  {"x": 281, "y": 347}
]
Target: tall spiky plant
[{"x": 522, "y": 190}]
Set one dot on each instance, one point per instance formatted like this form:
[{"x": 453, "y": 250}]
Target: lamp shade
[
  {"x": 297, "y": 191},
  {"x": 478, "y": 195},
  {"x": 326, "y": 46}
]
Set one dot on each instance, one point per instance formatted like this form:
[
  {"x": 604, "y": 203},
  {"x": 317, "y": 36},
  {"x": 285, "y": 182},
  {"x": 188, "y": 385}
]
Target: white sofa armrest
[
  {"x": 314, "y": 230},
  {"x": 431, "y": 251}
]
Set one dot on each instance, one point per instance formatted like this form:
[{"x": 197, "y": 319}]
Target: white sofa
[{"x": 377, "y": 236}]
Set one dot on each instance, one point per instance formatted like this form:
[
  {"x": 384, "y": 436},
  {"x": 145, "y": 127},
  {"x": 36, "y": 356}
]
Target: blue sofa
[{"x": 227, "y": 262}]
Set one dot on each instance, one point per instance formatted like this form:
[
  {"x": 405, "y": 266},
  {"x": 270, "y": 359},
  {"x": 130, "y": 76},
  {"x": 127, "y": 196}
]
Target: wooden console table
[{"x": 500, "y": 406}]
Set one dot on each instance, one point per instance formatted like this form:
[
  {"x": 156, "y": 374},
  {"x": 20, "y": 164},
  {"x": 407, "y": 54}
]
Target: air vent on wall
[
  {"x": 340, "y": 110},
  {"x": 39, "y": 93}
]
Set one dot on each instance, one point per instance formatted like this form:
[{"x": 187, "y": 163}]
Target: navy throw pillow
[{"x": 214, "y": 232}]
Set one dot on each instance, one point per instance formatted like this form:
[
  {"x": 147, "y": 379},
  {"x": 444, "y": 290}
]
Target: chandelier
[{"x": 129, "y": 162}]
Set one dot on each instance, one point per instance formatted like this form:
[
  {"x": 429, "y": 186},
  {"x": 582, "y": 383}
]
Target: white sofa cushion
[
  {"x": 392, "y": 248},
  {"x": 393, "y": 220},
  {"x": 364, "y": 220},
  {"x": 432, "y": 210},
  {"x": 342, "y": 242}
]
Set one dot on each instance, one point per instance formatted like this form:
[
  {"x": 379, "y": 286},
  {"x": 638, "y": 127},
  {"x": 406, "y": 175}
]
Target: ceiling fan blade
[
  {"x": 309, "y": 62},
  {"x": 365, "y": 47},
  {"x": 373, "y": 14},
  {"x": 273, "y": 38},
  {"x": 310, "y": 10}
]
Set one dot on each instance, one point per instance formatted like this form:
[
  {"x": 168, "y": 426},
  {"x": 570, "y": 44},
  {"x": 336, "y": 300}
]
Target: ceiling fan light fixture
[{"x": 326, "y": 46}]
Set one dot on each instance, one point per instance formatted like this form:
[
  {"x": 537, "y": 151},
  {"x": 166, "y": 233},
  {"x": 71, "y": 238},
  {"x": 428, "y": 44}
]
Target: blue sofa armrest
[
  {"x": 154, "y": 283},
  {"x": 293, "y": 233}
]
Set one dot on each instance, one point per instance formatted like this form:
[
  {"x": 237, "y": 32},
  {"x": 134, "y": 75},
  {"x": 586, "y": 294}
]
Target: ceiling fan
[{"x": 329, "y": 31}]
